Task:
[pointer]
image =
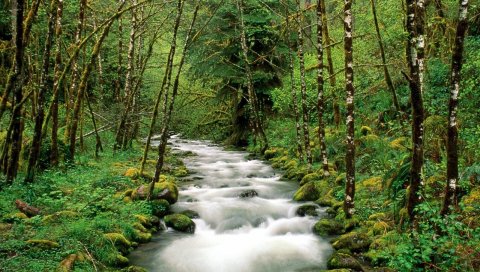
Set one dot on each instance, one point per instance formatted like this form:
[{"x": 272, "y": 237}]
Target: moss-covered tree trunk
[
  {"x": 320, "y": 92},
  {"x": 303, "y": 88},
  {"x": 415, "y": 78},
  {"x": 40, "y": 112},
  {"x": 349, "y": 203},
  {"x": 452, "y": 129}
]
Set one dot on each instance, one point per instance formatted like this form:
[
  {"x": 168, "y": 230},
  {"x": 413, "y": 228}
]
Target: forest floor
[{"x": 87, "y": 220}]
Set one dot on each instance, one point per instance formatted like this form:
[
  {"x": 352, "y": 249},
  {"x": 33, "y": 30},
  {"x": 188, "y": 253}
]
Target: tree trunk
[
  {"x": 450, "y": 197},
  {"x": 40, "y": 113},
  {"x": 167, "y": 113},
  {"x": 388, "y": 79},
  {"x": 349, "y": 203},
  {"x": 293, "y": 90},
  {"x": 15, "y": 130},
  {"x": 122, "y": 131},
  {"x": 320, "y": 92},
  {"x": 331, "y": 70},
  {"x": 118, "y": 84},
  {"x": 415, "y": 83},
  {"x": 252, "y": 97},
  {"x": 303, "y": 88},
  {"x": 70, "y": 95},
  {"x": 83, "y": 86}
]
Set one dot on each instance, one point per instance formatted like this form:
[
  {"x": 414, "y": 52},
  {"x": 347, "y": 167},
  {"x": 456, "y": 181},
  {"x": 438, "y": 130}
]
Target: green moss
[
  {"x": 307, "y": 192},
  {"x": 59, "y": 216},
  {"x": 180, "y": 222},
  {"x": 307, "y": 209},
  {"x": 132, "y": 173},
  {"x": 134, "y": 268},
  {"x": 341, "y": 260},
  {"x": 181, "y": 171},
  {"x": 340, "y": 179},
  {"x": 44, "y": 244},
  {"x": 354, "y": 241},
  {"x": 365, "y": 130},
  {"x": 167, "y": 191},
  {"x": 310, "y": 177},
  {"x": 328, "y": 227},
  {"x": 142, "y": 237},
  {"x": 119, "y": 241}
]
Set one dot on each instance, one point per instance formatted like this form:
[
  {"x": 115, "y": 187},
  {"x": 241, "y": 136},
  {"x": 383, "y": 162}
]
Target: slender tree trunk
[
  {"x": 320, "y": 92},
  {"x": 70, "y": 101},
  {"x": 118, "y": 84},
  {"x": 293, "y": 90},
  {"x": 388, "y": 78},
  {"x": 164, "y": 87},
  {"x": 252, "y": 97},
  {"x": 168, "y": 113},
  {"x": 83, "y": 86},
  {"x": 15, "y": 139},
  {"x": 415, "y": 83},
  {"x": 349, "y": 202},
  {"x": 98, "y": 140},
  {"x": 331, "y": 70},
  {"x": 303, "y": 88},
  {"x": 122, "y": 131},
  {"x": 40, "y": 114},
  {"x": 450, "y": 197}
]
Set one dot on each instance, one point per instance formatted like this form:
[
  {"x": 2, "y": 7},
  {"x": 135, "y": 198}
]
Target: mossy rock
[
  {"x": 180, "y": 222},
  {"x": 308, "y": 192},
  {"x": 291, "y": 164},
  {"x": 4, "y": 227},
  {"x": 119, "y": 241},
  {"x": 191, "y": 214},
  {"x": 160, "y": 207},
  {"x": 307, "y": 209},
  {"x": 312, "y": 190},
  {"x": 43, "y": 244},
  {"x": 379, "y": 217},
  {"x": 279, "y": 162},
  {"x": 142, "y": 237},
  {"x": 145, "y": 220},
  {"x": 132, "y": 173},
  {"x": 340, "y": 260},
  {"x": 139, "y": 227},
  {"x": 271, "y": 153},
  {"x": 118, "y": 260},
  {"x": 10, "y": 218},
  {"x": 310, "y": 177},
  {"x": 326, "y": 227},
  {"x": 180, "y": 172},
  {"x": 166, "y": 190},
  {"x": 380, "y": 227},
  {"x": 59, "y": 216},
  {"x": 354, "y": 241},
  {"x": 350, "y": 224}
]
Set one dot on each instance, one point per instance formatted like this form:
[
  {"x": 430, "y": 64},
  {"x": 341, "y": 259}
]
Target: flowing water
[{"x": 261, "y": 233}]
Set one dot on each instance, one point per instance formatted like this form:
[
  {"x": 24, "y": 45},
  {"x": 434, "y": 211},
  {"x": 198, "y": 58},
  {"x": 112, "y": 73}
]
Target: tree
[
  {"x": 452, "y": 128},
  {"x": 349, "y": 204},
  {"x": 415, "y": 60}
]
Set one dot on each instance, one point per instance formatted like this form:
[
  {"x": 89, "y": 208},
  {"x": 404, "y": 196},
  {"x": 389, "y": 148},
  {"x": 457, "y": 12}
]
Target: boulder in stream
[
  {"x": 342, "y": 260},
  {"x": 248, "y": 194},
  {"x": 180, "y": 222},
  {"x": 191, "y": 214},
  {"x": 353, "y": 241},
  {"x": 307, "y": 209},
  {"x": 328, "y": 227}
]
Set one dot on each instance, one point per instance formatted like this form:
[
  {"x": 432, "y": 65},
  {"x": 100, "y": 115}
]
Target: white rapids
[{"x": 235, "y": 234}]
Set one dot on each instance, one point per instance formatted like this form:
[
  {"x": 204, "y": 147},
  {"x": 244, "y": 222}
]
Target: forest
[{"x": 239, "y": 135}]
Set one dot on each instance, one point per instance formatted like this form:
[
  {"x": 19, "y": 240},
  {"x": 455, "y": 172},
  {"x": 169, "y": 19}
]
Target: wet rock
[
  {"x": 311, "y": 191},
  {"x": 307, "y": 209},
  {"x": 248, "y": 194},
  {"x": 354, "y": 241},
  {"x": 160, "y": 207},
  {"x": 328, "y": 227},
  {"x": 180, "y": 222},
  {"x": 191, "y": 214},
  {"x": 167, "y": 191},
  {"x": 120, "y": 242},
  {"x": 341, "y": 260}
]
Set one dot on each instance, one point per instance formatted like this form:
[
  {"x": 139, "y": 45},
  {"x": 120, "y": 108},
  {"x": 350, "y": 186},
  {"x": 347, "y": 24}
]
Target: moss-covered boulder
[
  {"x": 118, "y": 260},
  {"x": 134, "y": 268},
  {"x": 307, "y": 209},
  {"x": 119, "y": 241},
  {"x": 312, "y": 190},
  {"x": 132, "y": 173},
  {"x": 166, "y": 190},
  {"x": 180, "y": 171},
  {"x": 42, "y": 243},
  {"x": 141, "y": 236},
  {"x": 160, "y": 207},
  {"x": 58, "y": 216},
  {"x": 354, "y": 241},
  {"x": 248, "y": 194},
  {"x": 310, "y": 177},
  {"x": 191, "y": 214},
  {"x": 180, "y": 222},
  {"x": 340, "y": 260},
  {"x": 326, "y": 227},
  {"x": 272, "y": 153}
]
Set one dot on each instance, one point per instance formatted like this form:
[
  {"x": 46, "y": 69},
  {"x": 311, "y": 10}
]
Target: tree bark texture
[
  {"x": 303, "y": 88},
  {"x": 320, "y": 92},
  {"x": 450, "y": 197},
  {"x": 349, "y": 203},
  {"x": 416, "y": 97}
]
